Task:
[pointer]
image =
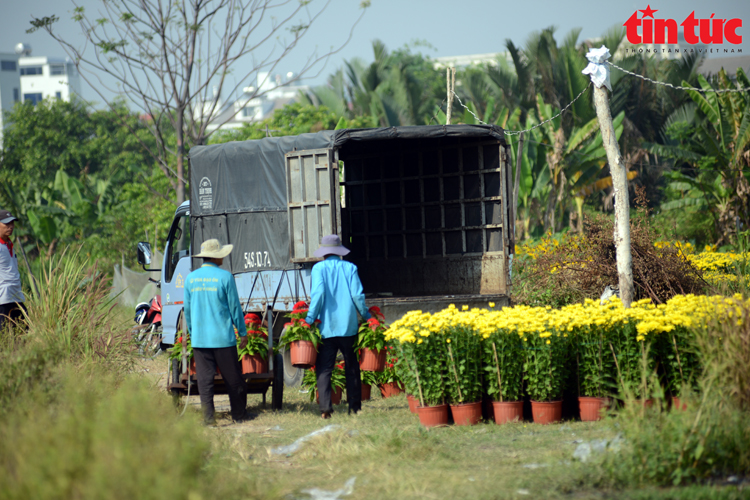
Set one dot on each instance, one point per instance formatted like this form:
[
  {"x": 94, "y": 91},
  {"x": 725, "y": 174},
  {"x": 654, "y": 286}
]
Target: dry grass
[{"x": 392, "y": 456}]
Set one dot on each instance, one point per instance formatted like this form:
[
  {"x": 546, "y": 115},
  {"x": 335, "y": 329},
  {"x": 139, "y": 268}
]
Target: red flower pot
[
  {"x": 390, "y": 389},
  {"x": 366, "y": 390},
  {"x": 372, "y": 360},
  {"x": 507, "y": 411},
  {"x": 591, "y": 408},
  {"x": 677, "y": 404},
  {"x": 467, "y": 413},
  {"x": 646, "y": 403},
  {"x": 303, "y": 354},
  {"x": 433, "y": 416},
  {"x": 546, "y": 412},
  {"x": 413, "y": 403},
  {"x": 335, "y": 396},
  {"x": 254, "y": 364}
]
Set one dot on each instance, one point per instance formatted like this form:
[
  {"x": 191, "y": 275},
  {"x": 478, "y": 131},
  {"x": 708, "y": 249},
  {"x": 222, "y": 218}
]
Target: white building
[
  {"x": 248, "y": 109},
  {"x": 10, "y": 86},
  {"x": 490, "y": 59},
  {"x": 43, "y": 77}
]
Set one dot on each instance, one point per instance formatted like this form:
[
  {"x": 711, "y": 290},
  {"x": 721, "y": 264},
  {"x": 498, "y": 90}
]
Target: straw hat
[{"x": 212, "y": 249}]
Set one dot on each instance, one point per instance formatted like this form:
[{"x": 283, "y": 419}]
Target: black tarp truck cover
[{"x": 238, "y": 189}]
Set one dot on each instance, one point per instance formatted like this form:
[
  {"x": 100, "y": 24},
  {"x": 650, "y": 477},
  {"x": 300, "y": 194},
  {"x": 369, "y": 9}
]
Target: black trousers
[
  {"x": 12, "y": 311},
  {"x": 324, "y": 368},
  {"x": 206, "y": 361}
]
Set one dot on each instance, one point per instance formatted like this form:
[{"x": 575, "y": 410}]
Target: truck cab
[{"x": 175, "y": 268}]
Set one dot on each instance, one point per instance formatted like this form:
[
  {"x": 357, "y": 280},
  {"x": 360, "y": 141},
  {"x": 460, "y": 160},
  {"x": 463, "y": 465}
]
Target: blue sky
[{"x": 451, "y": 28}]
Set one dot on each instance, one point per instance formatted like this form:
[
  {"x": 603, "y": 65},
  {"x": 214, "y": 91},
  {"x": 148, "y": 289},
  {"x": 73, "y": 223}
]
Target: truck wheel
[
  {"x": 292, "y": 375},
  {"x": 277, "y": 389}
]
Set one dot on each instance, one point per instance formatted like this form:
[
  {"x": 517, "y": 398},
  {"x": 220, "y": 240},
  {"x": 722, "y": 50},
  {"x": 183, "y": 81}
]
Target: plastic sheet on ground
[
  {"x": 584, "y": 451},
  {"x": 318, "y": 494},
  {"x": 291, "y": 448}
]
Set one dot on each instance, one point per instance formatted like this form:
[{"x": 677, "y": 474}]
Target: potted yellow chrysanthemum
[
  {"x": 503, "y": 365},
  {"x": 544, "y": 373}
]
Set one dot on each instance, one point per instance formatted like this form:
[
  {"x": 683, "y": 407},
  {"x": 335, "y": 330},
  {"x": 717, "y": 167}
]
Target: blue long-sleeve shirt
[
  {"x": 336, "y": 296},
  {"x": 212, "y": 307}
]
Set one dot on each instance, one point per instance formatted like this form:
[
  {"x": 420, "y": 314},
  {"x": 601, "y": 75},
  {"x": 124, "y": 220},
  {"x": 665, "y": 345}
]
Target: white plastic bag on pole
[{"x": 597, "y": 68}]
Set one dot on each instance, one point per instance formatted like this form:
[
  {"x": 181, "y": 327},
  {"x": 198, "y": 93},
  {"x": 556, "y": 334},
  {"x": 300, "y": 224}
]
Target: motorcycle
[{"x": 148, "y": 330}]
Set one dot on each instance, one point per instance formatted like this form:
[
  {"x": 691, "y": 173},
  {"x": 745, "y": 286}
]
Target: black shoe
[{"x": 325, "y": 415}]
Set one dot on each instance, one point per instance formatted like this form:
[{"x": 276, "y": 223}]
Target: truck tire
[
  {"x": 277, "y": 389},
  {"x": 292, "y": 375}
]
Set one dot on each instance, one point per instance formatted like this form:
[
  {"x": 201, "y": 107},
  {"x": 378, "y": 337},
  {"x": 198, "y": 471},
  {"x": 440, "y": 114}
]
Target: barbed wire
[
  {"x": 656, "y": 82},
  {"x": 440, "y": 108},
  {"x": 676, "y": 87},
  {"x": 516, "y": 132},
  {"x": 468, "y": 109}
]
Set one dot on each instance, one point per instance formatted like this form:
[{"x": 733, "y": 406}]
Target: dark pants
[
  {"x": 206, "y": 360},
  {"x": 13, "y": 312},
  {"x": 324, "y": 368}
]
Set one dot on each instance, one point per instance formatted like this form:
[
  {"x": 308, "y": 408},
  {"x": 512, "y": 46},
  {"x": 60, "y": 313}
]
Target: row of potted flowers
[
  {"x": 301, "y": 339},
  {"x": 454, "y": 357}
]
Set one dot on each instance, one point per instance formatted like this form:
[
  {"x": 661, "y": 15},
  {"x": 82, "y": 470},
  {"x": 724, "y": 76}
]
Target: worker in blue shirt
[
  {"x": 336, "y": 297},
  {"x": 212, "y": 312}
]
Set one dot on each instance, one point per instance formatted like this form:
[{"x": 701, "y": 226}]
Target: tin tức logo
[{"x": 710, "y": 31}]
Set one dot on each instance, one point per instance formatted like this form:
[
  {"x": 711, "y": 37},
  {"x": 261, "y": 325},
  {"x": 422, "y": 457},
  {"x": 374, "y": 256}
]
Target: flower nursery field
[{"x": 390, "y": 455}]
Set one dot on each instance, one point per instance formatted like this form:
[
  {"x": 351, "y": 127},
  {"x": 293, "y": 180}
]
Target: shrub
[
  {"x": 580, "y": 267},
  {"x": 87, "y": 440}
]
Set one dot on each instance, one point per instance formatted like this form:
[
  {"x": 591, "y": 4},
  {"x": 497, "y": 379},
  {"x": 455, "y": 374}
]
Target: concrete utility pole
[
  {"x": 517, "y": 182},
  {"x": 599, "y": 72},
  {"x": 450, "y": 76}
]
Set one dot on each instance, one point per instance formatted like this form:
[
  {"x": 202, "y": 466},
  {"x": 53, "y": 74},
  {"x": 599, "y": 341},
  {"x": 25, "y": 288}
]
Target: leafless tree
[{"x": 172, "y": 59}]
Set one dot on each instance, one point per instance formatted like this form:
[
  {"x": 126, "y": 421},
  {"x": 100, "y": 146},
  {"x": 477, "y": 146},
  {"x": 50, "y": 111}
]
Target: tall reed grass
[{"x": 71, "y": 320}]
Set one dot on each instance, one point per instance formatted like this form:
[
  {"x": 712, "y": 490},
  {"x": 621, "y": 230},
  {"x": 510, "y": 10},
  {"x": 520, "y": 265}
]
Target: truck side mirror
[{"x": 144, "y": 253}]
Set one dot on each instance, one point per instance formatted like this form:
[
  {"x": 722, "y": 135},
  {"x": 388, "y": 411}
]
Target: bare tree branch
[{"x": 172, "y": 59}]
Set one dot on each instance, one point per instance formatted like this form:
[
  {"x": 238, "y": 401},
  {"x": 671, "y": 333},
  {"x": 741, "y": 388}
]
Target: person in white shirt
[{"x": 11, "y": 292}]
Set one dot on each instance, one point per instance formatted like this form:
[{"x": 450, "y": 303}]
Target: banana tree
[
  {"x": 573, "y": 162},
  {"x": 65, "y": 210},
  {"x": 585, "y": 158},
  {"x": 712, "y": 155}
]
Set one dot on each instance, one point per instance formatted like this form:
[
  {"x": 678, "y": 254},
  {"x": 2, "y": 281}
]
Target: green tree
[
  {"x": 292, "y": 119},
  {"x": 709, "y": 143},
  {"x": 174, "y": 60},
  {"x": 53, "y": 135},
  {"x": 398, "y": 88},
  {"x": 68, "y": 174}
]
